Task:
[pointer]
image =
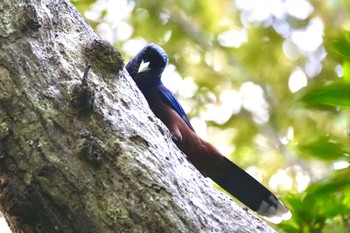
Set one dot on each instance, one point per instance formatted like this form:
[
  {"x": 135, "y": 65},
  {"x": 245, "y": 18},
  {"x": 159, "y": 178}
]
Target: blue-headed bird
[{"x": 146, "y": 69}]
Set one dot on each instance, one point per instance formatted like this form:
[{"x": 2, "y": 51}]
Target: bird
[{"x": 146, "y": 69}]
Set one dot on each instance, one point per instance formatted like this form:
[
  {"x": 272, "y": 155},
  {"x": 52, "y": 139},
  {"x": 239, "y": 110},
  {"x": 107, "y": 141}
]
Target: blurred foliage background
[{"x": 266, "y": 81}]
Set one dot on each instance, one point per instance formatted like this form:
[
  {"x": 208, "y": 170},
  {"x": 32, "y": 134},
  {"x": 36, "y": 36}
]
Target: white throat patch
[{"x": 144, "y": 66}]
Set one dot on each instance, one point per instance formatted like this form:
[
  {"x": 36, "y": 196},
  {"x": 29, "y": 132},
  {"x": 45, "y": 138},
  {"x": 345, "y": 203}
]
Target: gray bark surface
[{"x": 88, "y": 155}]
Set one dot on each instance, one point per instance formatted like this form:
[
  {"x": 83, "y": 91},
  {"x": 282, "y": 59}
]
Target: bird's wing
[{"x": 174, "y": 104}]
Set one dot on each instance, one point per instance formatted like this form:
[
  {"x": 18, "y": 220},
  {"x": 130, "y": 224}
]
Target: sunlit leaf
[
  {"x": 324, "y": 148},
  {"x": 321, "y": 205},
  {"x": 341, "y": 46},
  {"x": 338, "y": 182},
  {"x": 346, "y": 72},
  {"x": 333, "y": 95},
  {"x": 328, "y": 195}
]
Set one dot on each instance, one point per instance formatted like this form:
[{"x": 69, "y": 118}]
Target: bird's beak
[{"x": 144, "y": 66}]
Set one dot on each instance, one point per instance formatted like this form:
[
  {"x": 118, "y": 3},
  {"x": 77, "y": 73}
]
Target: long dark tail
[{"x": 252, "y": 194}]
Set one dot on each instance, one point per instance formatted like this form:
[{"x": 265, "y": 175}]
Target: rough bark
[{"x": 88, "y": 155}]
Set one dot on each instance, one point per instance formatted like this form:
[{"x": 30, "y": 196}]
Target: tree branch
[{"x": 87, "y": 155}]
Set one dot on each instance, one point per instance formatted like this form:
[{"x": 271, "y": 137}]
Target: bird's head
[{"x": 147, "y": 66}]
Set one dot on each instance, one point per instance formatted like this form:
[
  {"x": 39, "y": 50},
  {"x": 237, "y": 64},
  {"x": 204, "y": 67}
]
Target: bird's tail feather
[{"x": 251, "y": 193}]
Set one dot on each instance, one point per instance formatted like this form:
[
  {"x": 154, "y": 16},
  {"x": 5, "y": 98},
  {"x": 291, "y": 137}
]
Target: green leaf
[
  {"x": 346, "y": 72},
  {"x": 332, "y": 95},
  {"x": 324, "y": 148},
  {"x": 323, "y": 204},
  {"x": 330, "y": 195},
  {"x": 341, "y": 46},
  {"x": 338, "y": 182}
]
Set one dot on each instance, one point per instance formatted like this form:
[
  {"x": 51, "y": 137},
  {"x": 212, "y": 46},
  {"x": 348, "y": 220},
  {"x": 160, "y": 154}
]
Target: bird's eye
[{"x": 146, "y": 51}]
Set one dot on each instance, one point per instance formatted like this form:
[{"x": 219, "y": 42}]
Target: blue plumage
[
  {"x": 146, "y": 69},
  {"x": 173, "y": 103},
  {"x": 150, "y": 76}
]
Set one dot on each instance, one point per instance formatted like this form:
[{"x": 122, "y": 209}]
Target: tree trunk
[{"x": 87, "y": 155}]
